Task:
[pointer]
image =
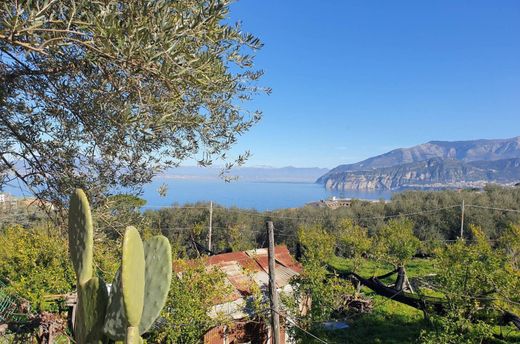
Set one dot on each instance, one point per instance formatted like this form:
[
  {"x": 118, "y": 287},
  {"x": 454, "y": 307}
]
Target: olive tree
[{"x": 105, "y": 94}]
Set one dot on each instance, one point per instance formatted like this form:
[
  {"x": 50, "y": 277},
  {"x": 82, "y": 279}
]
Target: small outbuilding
[{"x": 242, "y": 269}]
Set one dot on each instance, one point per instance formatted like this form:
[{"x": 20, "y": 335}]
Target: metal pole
[
  {"x": 462, "y": 222},
  {"x": 210, "y": 224},
  {"x": 273, "y": 295}
]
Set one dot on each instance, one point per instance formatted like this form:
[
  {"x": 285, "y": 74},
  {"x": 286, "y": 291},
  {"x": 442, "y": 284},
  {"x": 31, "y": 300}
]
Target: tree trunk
[{"x": 426, "y": 304}]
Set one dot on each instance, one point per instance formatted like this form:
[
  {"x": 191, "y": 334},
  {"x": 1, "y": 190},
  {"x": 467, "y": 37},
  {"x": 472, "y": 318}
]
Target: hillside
[{"x": 436, "y": 164}]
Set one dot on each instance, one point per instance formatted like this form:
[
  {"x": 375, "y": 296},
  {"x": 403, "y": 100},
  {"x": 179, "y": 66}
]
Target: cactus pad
[
  {"x": 158, "y": 276},
  {"x": 139, "y": 290},
  {"x": 93, "y": 297},
  {"x": 115, "y": 319},
  {"x": 81, "y": 239},
  {"x": 132, "y": 276},
  {"x": 132, "y": 336},
  {"x": 158, "y": 273}
]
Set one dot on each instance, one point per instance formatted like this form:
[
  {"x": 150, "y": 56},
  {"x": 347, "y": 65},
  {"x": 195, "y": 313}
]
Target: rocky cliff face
[{"x": 435, "y": 164}]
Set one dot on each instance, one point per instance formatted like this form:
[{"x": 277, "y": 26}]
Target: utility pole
[
  {"x": 210, "y": 224},
  {"x": 273, "y": 295},
  {"x": 462, "y": 222}
]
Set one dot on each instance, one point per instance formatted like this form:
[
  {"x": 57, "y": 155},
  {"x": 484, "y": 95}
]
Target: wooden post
[
  {"x": 273, "y": 295},
  {"x": 210, "y": 224},
  {"x": 462, "y": 222}
]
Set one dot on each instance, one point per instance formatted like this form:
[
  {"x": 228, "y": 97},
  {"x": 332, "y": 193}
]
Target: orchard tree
[
  {"x": 396, "y": 244},
  {"x": 103, "y": 95},
  {"x": 353, "y": 242},
  {"x": 480, "y": 288},
  {"x": 315, "y": 286},
  {"x": 509, "y": 244}
]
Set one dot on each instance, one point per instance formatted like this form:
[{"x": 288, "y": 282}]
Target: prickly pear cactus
[
  {"x": 93, "y": 298},
  {"x": 158, "y": 277},
  {"x": 92, "y": 291},
  {"x": 81, "y": 237},
  {"x": 158, "y": 274},
  {"x": 115, "y": 318},
  {"x": 139, "y": 290},
  {"x": 132, "y": 282}
]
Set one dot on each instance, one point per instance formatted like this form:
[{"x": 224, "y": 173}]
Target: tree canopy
[{"x": 105, "y": 94}]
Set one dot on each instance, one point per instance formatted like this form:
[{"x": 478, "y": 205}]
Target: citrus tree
[
  {"x": 316, "y": 286},
  {"x": 480, "y": 287},
  {"x": 193, "y": 292},
  {"x": 353, "y": 242},
  {"x": 35, "y": 263},
  {"x": 396, "y": 244}
]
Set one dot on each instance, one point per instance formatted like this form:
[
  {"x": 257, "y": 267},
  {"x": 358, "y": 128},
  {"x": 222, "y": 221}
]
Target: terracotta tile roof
[{"x": 244, "y": 268}]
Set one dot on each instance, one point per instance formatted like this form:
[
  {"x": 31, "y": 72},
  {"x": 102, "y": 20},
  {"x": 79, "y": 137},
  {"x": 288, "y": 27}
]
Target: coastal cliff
[{"x": 436, "y": 164}]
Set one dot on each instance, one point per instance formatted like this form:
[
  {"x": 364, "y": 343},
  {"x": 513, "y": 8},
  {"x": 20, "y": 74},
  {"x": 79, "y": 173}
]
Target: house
[
  {"x": 333, "y": 203},
  {"x": 7, "y": 202},
  {"x": 241, "y": 270}
]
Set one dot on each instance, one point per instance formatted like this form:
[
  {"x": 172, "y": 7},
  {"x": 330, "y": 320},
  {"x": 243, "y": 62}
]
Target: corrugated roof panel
[
  {"x": 242, "y": 268},
  {"x": 227, "y": 257}
]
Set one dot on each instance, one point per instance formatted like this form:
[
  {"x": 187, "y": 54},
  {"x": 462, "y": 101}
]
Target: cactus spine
[{"x": 139, "y": 290}]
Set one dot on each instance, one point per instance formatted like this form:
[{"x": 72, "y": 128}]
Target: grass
[
  {"x": 390, "y": 322},
  {"x": 415, "y": 268}
]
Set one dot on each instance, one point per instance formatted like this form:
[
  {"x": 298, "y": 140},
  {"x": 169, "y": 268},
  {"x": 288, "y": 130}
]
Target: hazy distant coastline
[{"x": 250, "y": 174}]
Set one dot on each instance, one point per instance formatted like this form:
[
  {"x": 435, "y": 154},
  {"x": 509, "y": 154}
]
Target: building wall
[{"x": 251, "y": 332}]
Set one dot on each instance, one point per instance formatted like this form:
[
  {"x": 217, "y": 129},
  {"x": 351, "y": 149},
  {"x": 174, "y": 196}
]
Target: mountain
[
  {"x": 258, "y": 174},
  {"x": 436, "y": 164}
]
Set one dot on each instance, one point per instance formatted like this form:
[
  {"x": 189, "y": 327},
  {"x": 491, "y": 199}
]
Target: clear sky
[{"x": 353, "y": 79}]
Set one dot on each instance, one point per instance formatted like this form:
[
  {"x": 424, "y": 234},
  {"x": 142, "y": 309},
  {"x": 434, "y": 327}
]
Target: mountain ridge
[{"x": 401, "y": 168}]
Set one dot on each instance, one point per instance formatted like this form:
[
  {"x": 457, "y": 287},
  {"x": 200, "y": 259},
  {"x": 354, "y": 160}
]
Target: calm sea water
[{"x": 245, "y": 194}]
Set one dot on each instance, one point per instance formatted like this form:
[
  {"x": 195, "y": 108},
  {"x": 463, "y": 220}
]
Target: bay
[{"x": 245, "y": 194}]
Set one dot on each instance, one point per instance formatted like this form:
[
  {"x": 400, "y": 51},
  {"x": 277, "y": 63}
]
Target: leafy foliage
[
  {"x": 315, "y": 286},
  {"x": 105, "y": 94},
  {"x": 185, "y": 318},
  {"x": 118, "y": 212},
  {"x": 353, "y": 243},
  {"x": 395, "y": 242},
  {"x": 317, "y": 244},
  {"x": 509, "y": 243},
  {"x": 35, "y": 263},
  {"x": 478, "y": 284}
]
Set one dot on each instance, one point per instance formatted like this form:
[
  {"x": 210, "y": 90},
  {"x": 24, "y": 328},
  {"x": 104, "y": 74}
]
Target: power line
[
  {"x": 299, "y": 327},
  {"x": 171, "y": 207},
  {"x": 492, "y": 208},
  {"x": 409, "y": 214},
  {"x": 270, "y": 215}
]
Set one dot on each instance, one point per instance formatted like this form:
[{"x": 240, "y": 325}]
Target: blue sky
[{"x": 352, "y": 79}]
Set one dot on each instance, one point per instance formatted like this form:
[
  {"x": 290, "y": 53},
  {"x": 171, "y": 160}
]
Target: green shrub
[
  {"x": 35, "y": 263},
  {"x": 185, "y": 317}
]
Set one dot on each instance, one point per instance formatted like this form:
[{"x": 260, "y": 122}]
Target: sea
[{"x": 257, "y": 195}]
